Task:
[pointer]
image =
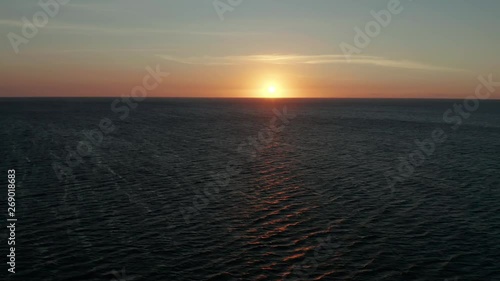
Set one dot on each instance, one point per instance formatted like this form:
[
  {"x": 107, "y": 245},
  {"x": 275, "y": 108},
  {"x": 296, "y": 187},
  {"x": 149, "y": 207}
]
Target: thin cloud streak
[
  {"x": 11, "y": 22},
  {"x": 121, "y": 30},
  {"x": 307, "y": 59}
]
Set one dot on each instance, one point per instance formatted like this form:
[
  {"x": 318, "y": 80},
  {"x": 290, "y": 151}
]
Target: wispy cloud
[
  {"x": 108, "y": 50},
  {"x": 307, "y": 59},
  {"x": 128, "y": 30},
  {"x": 58, "y": 26},
  {"x": 104, "y": 7},
  {"x": 11, "y": 22}
]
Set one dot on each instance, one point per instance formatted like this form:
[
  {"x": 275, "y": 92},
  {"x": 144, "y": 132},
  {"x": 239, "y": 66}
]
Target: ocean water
[{"x": 237, "y": 189}]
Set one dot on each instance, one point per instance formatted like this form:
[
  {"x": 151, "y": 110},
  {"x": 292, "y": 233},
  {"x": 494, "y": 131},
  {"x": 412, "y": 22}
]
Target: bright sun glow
[{"x": 272, "y": 91}]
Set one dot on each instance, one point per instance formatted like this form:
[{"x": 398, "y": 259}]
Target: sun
[
  {"x": 271, "y": 88},
  {"x": 272, "y": 91}
]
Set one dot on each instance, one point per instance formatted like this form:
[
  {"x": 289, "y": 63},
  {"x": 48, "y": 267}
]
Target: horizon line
[{"x": 256, "y": 98}]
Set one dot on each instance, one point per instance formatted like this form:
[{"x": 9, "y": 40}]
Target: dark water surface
[{"x": 201, "y": 190}]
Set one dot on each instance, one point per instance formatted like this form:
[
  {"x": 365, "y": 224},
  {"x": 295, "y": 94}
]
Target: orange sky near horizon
[{"x": 112, "y": 76}]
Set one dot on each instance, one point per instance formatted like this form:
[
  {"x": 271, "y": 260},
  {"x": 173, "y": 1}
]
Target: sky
[{"x": 242, "y": 48}]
